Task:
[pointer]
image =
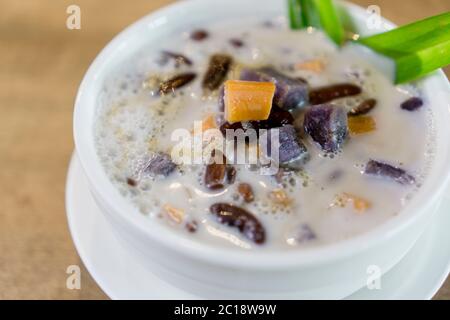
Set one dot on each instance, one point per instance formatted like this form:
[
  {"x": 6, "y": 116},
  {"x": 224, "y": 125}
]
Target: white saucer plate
[{"x": 119, "y": 273}]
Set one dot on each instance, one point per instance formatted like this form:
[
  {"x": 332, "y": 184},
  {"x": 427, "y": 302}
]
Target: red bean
[
  {"x": 329, "y": 93},
  {"x": 192, "y": 226},
  {"x": 241, "y": 219},
  {"x": 237, "y": 43},
  {"x": 219, "y": 64},
  {"x": 199, "y": 35},
  {"x": 231, "y": 175},
  {"x": 215, "y": 174},
  {"x": 363, "y": 108},
  {"x": 131, "y": 182},
  {"x": 176, "y": 82},
  {"x": 178, "y": 57}
]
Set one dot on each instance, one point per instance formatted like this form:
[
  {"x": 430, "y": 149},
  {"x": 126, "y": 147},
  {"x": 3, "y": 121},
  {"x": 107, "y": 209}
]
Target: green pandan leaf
[
  {"x": 417, "y": 49},
  {"x": 321, "y": 14},
  {"x": 295, "y": 18},
  {"x": 329, "y": 19}
]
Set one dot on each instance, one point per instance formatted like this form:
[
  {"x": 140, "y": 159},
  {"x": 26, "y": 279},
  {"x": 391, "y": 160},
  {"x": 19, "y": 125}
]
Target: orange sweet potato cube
[
  {"x": 208, "y": 123},
  {"x": 359, "y": 204},
  {"x": 248, "y": 100},
  {"x": 315, "y": 65},
  {"x": 361, "y": 124}
]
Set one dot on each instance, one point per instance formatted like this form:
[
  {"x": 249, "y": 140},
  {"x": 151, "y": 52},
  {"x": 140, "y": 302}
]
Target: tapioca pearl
[
  {"x": 134, "y": 192},
  {"x": 144, "y": 209},
  {"x": 145, "y": 186},
  {"x": 112, "y": 153},
  {"x": 200, "y": 176},
  {"x": 123, "y": 192},
  {"x": 292, "y": 181}
]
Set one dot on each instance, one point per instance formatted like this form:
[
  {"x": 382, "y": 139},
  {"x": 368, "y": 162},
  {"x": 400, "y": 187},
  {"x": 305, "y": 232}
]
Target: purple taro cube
[
  {"x": 304, "y": 233},
  {"x": 160, "y": 165},
  {"x": 221, "y": 99},
  {"x": 300, "y": 234},
  {"x": 385, "y": 170},
  {"x": 290, "y": 93},
  {"x": 292, "y": 153},
  {"x": 327, "y": 125}
]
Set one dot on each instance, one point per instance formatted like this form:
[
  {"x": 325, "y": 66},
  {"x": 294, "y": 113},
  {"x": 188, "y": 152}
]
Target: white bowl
[{"x": 332, "y": 271}]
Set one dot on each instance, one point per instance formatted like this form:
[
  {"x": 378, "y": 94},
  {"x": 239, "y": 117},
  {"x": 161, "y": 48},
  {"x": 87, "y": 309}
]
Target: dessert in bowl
[{"x": 348, "y": 167}]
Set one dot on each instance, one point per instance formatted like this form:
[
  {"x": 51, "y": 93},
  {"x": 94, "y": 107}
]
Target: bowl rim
[{"x": 104, "y": 190}]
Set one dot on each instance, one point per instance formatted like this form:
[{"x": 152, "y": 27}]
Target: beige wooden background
[{"x": 41, "y": 65}]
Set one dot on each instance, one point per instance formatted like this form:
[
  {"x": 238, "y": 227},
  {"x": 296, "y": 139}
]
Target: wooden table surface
[{"x": 42, "y": 63}]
